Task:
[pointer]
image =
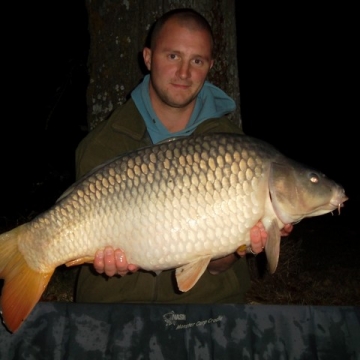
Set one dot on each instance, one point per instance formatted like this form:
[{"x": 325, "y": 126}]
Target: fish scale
[{"x": 178, "y": 204}]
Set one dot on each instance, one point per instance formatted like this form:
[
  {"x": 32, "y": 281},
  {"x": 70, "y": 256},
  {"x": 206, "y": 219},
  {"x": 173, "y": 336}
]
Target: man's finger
[
  {"x": 99, "y": 261},
  {"x": 109, "y": 262},
  {"x": 121, "y": 263}
]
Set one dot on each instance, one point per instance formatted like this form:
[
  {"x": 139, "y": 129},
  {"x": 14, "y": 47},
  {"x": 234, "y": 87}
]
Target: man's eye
[
  {"x": 198, "y": 62},
  {"x": 172, "y": 56}
]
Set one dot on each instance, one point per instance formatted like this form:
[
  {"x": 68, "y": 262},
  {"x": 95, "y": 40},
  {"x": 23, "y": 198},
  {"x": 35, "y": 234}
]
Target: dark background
[{"x": 297, "y": 83}]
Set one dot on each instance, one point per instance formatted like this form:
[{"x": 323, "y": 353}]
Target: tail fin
[{"x": 23, "y": 286}]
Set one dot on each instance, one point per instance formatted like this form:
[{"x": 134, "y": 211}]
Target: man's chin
[{"x": 180, "y": 103}]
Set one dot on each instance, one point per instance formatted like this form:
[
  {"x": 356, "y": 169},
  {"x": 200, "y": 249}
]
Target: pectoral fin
[
  {"x": 272, "y": 247},
  {"x": 188, "y": 275}
]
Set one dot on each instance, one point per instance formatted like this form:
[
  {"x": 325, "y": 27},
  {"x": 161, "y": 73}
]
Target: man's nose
[{"x": 184, "y": 70}]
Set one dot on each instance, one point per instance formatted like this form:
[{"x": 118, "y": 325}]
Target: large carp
[{"x": 178, "y": 204}]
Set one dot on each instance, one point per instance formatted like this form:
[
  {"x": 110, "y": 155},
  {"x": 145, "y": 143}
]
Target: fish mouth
[
  {"x": 339, "y": 205},
  {"x": 338, "y": 201}
]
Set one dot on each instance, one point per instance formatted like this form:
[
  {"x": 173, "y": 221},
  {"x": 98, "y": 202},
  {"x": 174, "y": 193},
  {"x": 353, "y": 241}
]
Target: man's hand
[
  {"x": 258, "y": 238},
  {"x": 287, "y": 229},
  {"x": 112, "y": 262}
]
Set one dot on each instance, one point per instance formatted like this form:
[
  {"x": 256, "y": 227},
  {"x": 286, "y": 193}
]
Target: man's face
[{"x": 179, "y": 63}]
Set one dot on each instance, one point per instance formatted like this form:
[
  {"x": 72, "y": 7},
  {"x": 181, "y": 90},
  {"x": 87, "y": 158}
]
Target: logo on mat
[
  {"x": 179, "y": 321},
  {"x": 171, "y": 318}
]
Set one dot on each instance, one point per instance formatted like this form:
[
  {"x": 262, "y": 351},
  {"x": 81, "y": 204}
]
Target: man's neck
[{"x": 174, "y": 119}]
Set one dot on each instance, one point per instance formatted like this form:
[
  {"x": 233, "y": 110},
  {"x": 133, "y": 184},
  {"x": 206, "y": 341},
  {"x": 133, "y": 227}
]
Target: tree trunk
[{"x": 118, "y": 30}]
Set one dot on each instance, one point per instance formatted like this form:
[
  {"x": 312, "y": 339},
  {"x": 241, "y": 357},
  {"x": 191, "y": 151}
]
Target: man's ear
[
  {"x": 211, "y": 64},
  {"x": 147, "y": 57}
]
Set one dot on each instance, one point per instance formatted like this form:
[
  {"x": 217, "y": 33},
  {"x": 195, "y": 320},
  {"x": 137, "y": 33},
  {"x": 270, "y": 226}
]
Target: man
[{"x": 174, "y": 100}]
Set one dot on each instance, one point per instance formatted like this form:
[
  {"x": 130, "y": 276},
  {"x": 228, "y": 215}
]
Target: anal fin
[{"x": 83, "y": 260}]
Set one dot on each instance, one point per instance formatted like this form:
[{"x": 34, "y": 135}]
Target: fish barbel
[{"x": 178, "y": 204}]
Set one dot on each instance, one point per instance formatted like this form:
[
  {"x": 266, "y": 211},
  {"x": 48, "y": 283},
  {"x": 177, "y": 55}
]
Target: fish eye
[{"x": 314, "y": 178}]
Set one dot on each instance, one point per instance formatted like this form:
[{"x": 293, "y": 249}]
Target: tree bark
[{"x": 118, "y": 31}]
